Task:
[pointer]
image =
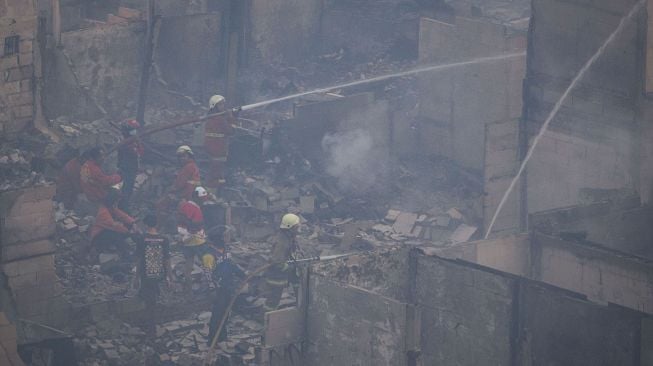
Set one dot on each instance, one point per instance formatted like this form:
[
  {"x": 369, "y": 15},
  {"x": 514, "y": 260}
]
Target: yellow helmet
[
  {"x": 184, "y": 149},
  {"x": 288, "y": 221},
  {"x": 215, "y": 100},
  {"x": 208, "y": 261}
]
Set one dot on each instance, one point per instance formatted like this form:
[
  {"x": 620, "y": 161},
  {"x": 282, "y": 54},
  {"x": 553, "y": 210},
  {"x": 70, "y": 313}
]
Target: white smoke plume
[{"x": 355, "y": 159}]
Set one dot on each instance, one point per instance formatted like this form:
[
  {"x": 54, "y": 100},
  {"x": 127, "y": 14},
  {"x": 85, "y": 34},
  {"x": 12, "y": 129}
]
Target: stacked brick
[
  {"x": 28, "y": 251},
  {"x": 18, "y": 20},
  {"x": 8, "y": 345}
]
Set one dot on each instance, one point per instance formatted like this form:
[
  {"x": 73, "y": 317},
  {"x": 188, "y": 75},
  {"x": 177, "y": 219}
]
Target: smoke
[{"x": 358, "y": 158}]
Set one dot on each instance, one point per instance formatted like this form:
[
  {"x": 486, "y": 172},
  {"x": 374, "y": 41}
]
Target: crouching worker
[
  {"x": 190, "y": 227},
  {"x": 153, "y": 253},
  {"x": 226, "y": 275},
  {"x": 112, "y": 226}
]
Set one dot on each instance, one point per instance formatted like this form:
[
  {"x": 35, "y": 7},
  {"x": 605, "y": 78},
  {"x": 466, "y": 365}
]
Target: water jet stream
[
  {"x": 419, "y": 70},
  {"x": 168, "y": 126},
  {"x": 556, "y": 108}
]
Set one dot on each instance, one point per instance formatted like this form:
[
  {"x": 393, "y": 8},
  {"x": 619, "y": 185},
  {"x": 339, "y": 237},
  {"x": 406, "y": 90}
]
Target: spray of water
[
  {"x": 622, "y": 24},
  {"x": 419, "y": 70}
]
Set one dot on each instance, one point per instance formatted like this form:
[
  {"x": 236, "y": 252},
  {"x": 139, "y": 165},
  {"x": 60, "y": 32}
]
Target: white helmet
[
  {"x": 201, "y": 192},
  {"x": 184, "y": 149},
  {"x": 288, "y": 221},
  {"x": 215, "y": 100}
]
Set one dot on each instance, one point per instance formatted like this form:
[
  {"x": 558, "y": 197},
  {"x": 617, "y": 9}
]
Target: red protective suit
[
  {"x": 216, "y": 142},
  {"x": 112, "y": 219},
  {"x": 95, "y": 184},
  {"x": 188, "y": 177}
]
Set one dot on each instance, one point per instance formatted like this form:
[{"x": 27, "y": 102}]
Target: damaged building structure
[{"x": 403, "y": 174}]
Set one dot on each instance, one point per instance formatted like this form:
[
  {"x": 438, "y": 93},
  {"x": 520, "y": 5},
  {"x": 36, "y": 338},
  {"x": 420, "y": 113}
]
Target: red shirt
[
  {"x": 189, "y": 216},
  {"x": 95, "y": 184},
  {"x": 113, "y": 219},
  {"x": 187, "y": 179}
]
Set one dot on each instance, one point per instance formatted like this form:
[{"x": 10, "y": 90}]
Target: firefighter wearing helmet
[
  {"x": 183, "y": 186},
  {"x": 278, "y": 276},
  {"x": 216, "y": 140}
]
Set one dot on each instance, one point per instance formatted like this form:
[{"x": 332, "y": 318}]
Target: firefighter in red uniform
[
  {"x": 216, "y": 141},
  {"x": 187, "y": 178},
  {"x": 94, "y": 182}
]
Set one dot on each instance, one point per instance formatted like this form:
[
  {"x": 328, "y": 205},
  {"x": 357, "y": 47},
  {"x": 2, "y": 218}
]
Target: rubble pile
[
  {"x": 17, "y": 169},
  {"x": 110, "y": 341}
]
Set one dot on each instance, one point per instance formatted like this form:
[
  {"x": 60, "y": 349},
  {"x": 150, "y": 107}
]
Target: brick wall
[
  {"x": 592, "y": 142},
  {"x": 17, "y": 18},
  {"x": 27, "y": 256}
]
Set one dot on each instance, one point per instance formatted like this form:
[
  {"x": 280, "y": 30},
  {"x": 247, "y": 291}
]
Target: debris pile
[{"x": 18, "y": 170}]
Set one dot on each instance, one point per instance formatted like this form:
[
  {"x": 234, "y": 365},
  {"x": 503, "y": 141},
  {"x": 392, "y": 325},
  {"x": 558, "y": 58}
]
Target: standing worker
[
  {"x": 129, "y": 156},
  {"x": 278, "y": 276},
  {"x": 94, "y": 182},
  {"x": 226, "y": 276},
  {"x": 153, "y": 266},
  {"x": 216, "y": 141}
]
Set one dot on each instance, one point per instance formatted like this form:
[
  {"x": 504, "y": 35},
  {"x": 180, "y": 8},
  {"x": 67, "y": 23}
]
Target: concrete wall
[
  {"x": 283, "y": 30},
  {"x": 466, "y": 314},
  {"x": 601, "y": 275},
  {"x": 97, "y": 70},
  {"x": 556, "y": 328},
  {"x": 458, "y": 313},
  {"x": 188, "y": 54},
  {"x": 508, "y": 254},
  {"x": 625, "y": 230},
  {"x": 456, "y": 105},
  {"x": 592, "y": 142},
  {"x": 28, "y": 253},
  {"x": 18, "y": 18},
  {"x": 106, "y": 62},
  {"x": 368, "y": 330}
]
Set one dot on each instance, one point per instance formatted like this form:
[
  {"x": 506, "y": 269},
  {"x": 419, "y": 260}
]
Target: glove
[{"x": 237, "y": 110}]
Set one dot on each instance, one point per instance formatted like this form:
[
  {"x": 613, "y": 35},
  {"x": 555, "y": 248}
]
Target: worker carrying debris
[
  {"x": 226, "y": 276},
  {"x": 153, "y": 255},
  {"x": 190, "y": 227},
  {"x": 217, "y": 131},
  {"x": 94, "y": 182},
  {"x": 68, "y": 182},
  {"x": 129, "y": 156},
  {"x": 278, "y": 276},
  {"x": 112, "y": 226},
  {"x": 187, "y": 178}
]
